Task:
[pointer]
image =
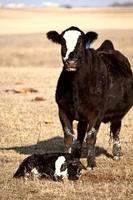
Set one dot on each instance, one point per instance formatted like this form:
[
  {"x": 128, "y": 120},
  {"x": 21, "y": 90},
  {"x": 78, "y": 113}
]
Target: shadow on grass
[
  {"x": 98, "y": 150},
  {"x": 54, "y": 144}
]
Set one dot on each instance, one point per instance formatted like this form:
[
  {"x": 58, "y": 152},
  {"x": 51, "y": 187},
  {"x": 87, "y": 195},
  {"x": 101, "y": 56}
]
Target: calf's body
[{"x": 56, "y": 166}]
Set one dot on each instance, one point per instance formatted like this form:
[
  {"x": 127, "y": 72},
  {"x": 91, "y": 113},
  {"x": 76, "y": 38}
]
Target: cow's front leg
[
  {"x": 66, "y": 122},
  {"x": 81, "y": 128},
  {"x": 92, "y": 131},
  {"x": 115, "y": 129},
  {"x": 91, "y": 140}
]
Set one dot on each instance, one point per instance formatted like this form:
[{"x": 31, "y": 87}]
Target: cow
[
  {"x": 95, "y": 86},
  {"x": 55, "y": 166}
]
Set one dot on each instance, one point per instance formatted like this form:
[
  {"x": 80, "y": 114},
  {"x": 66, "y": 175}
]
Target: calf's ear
[
  {"x": 54, "y": 36},
  {"x": 89, "y": 38}
]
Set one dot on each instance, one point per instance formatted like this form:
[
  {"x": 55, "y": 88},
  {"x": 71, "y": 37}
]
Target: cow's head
[
  {"x": 71, "y": 169},
  {"x": 73, "y": 42}
]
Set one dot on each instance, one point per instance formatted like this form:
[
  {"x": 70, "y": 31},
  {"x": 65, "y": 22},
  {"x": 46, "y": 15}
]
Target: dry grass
[
  {"x": 26, "y": 126},
  {"x": 35, "y": 50}
]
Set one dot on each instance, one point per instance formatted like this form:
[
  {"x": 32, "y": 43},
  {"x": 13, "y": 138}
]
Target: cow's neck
[
  {"x": 80, "y": 82},
  {"x": 85, "y": 67}
]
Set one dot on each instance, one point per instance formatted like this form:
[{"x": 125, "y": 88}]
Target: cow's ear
[
  {"x": 54, "y": 36},
  {"x": 89, "y": 38}
]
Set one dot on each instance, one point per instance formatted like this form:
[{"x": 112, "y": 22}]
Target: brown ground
[{"x": 26, "y": 126}]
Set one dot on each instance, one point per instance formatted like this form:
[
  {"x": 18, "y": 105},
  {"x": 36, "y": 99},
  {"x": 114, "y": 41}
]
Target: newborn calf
[{"x": 55, "y": 166}]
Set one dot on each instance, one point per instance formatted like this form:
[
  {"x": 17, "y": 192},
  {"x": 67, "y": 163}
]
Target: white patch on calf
[
  {"x": 34, "y": 171},
  {"x": 71, "y": 37},
  {"x": 58, "y": 163}
]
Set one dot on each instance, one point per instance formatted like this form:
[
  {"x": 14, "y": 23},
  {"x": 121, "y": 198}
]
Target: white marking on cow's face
[
  {"x": 71, "y": 38},
  {"x": 58, "y": 163}
]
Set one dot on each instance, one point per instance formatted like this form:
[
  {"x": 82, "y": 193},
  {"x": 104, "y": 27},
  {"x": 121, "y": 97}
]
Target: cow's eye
[{"x": 63, "y": 167}]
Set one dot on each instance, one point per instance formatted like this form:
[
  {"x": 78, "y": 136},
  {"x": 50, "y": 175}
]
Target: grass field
[{"x": 28, "y": 59}]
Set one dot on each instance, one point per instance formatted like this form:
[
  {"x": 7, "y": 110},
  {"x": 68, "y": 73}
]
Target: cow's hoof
[
  {"x": 89, "y": 169},
  {"x": 116, "y": 158},
  {"x": 91, "y": 163}
]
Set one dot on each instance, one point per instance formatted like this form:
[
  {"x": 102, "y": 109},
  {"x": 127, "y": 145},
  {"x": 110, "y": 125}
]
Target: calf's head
[
  {"x": 73, "y": 43},
  {"x": 72, "y": 169}
]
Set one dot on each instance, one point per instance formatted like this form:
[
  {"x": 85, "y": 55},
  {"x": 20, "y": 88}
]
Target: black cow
[{"x": 94, "y": 86}]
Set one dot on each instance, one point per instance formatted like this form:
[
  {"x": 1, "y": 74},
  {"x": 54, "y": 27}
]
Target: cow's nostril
[
  {"x": 67, "y": 61},
  {"x": 71, "y": 63}
]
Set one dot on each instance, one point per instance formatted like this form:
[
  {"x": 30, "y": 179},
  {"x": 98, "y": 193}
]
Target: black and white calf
[
  {"x": 56, "y": 166},
  {"x": 94, "y": 86}
]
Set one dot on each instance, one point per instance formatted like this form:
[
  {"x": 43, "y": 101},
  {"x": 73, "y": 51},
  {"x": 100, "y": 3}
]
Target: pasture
[{"x": 27, "y": 125}]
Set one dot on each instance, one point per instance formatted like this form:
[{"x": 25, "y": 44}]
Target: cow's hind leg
[
  {"x": 81, "y": 128},
  {"x": 115, "y": 130}
]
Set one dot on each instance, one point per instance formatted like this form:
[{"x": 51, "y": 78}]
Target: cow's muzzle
[{"x": 71, "y": 64}]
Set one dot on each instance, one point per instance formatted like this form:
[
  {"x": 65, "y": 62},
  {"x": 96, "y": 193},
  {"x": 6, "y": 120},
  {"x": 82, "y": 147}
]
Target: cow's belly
[
  {"x": 116, "y": 111},
  {"x": 119, "y": 101}
]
